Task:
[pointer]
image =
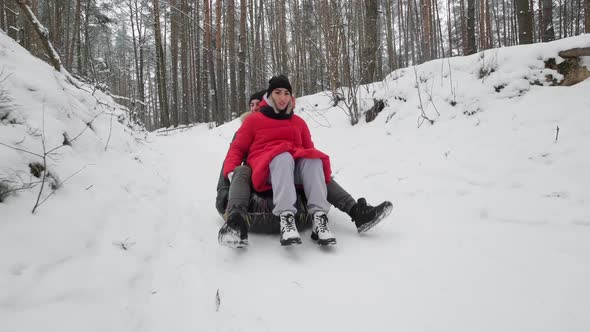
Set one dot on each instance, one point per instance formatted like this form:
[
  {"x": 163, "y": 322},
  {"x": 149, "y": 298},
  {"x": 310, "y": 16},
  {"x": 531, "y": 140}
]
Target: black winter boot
[
  {"x": 234, "y": 233},
  {"x": 366, "y": 216}
]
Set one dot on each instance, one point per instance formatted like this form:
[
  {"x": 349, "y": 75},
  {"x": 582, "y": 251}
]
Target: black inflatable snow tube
[{"x": 263, "y": 221}]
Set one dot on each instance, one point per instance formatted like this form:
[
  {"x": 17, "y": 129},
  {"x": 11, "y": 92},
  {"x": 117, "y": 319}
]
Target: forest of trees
[{"x": 184, "y": 61}]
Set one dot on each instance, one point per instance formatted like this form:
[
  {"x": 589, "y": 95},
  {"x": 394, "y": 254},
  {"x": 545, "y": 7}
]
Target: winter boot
[
  {"x": 289, "y": 233},
  {"x": 366, "y": 216},
  {"x": 234, "y": 233},
  {"x": 320, "y": 231}
]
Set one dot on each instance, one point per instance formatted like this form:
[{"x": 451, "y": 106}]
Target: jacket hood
[{"x": 244, "y": 116}]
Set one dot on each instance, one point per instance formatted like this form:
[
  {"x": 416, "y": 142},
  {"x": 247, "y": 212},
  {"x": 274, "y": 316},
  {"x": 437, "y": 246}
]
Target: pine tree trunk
[
  {"x": 309, "y": 44},
  {"x": 578, "y": 16},
  {"x": 297, "y": 68},
  {"x": 263, "y": 55},
  {"x": 193, "y": 84},
  {"x": 449, "y": 30},
  {"x": 186, "y": 89},
  {"x": 83, "y": 60},
  {"x": 368, "y": 67},
  {"x": 174, "y": 20},
  {"x": 141, "y": 36},
  {"x": 51, "y": 20},
  {"x": 401, "y": 22},
  {"x": 138, "y": 56},
  {"x": 568, "y": 16},
  {"x": 390, "y": 36},
  {"x": 489, "y": 32},
  {"x": 330, "y": 32},
  {"x": 482, "y": 25},
  {"x": 161, "y": 69},
  {"x": 379, "y": 67},
  {"x": 428, "y": 31},
  {"x": 419, "y": 33},
  {"x": 210, "y": 72},
  {"x": 410, "y": 28},
  {"x": 464, "y": 38},
  {"x": 471, "y": 47},
  {"x": 282, "y": 28},
  {"x": 256, "y": 54},
  {"x": 75, "y": 35},
  {"x": 532, "y": 14},
  {"x": 200, "y": 104},
  {"x": 219, "y": 65},
  {"x": 231, "y": 29},
  {"x": 273, "y": 37},
  {"x": 345, "y": 50},
  {"x": 242, "y": 58},
  {"x": 548, "y": 32},
  {"x": 253, "y": 70},
  {"x": 438, "y": 26},
  {"x": 504, "y": 24},
  {"x": 525, "y": 23},
  {"x": 541, "y": 20},
  {"x": 2, "y": 15}
]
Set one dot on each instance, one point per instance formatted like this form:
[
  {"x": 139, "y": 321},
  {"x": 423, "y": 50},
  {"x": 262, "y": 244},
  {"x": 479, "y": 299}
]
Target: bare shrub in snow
[
  {"x": 489, "y": 67},
  {"x": 423, "y": 117},
  {"x": 6, "y": 103},
  {"x": 12, "y": 181}
]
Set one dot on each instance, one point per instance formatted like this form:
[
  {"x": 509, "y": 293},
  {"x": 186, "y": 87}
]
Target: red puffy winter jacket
[{"x": 262, "y": 138}]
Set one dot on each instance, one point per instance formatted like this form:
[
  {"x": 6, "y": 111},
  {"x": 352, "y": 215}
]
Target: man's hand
[{"x": 221, "y": 199}]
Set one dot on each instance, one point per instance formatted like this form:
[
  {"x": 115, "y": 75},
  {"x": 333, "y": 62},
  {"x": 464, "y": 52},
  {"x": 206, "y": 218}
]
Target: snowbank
[{"x": 45, "y": 119}]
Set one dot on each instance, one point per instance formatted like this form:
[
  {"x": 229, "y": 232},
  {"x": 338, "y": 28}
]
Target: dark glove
[{"x": 221, "y": 199}]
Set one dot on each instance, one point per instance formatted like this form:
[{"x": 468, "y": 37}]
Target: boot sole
[
  {"x": 324, "y": 242},
  {"x": 231, "y": 239},
  {"x": 291, "y": 241},
  {"x": 327, "y": 242},
  {"x": 384, "y": 214},
  {"x": 234, "y": 244}
]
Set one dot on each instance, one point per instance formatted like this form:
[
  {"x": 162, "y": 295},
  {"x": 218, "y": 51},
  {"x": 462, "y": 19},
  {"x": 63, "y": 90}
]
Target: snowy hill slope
[
  {"x": 43, "y": 115},
  {"x": 489, "y": 231}
]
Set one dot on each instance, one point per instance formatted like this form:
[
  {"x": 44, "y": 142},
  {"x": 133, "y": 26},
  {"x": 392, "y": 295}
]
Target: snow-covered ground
[{"x": 490, "y": 229}]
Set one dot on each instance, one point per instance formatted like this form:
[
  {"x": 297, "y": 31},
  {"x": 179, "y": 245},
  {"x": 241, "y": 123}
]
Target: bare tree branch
[
  {"x": 61, "y": 184},
  {"x": 21, "y": 150},
  {"x": 44, "y": 163}
]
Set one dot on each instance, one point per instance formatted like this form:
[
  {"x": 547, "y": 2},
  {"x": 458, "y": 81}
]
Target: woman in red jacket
[{"x": 280, "y": 152}]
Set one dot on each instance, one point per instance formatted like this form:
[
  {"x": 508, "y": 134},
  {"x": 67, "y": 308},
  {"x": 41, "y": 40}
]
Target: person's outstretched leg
[
  {"x": 362, "y": 214},
  {"x": 310, "y": 173},
  {"x": 239, "y": 189},
  {"x": 339, "y": 197},
  {"x": 282, "y": 169},
  {"x": 234, "y": 233}
]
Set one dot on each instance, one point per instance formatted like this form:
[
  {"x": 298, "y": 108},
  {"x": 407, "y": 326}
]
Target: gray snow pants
[
  {"x": 241, "y": 190},
  {"x": 285, "y": 173}
]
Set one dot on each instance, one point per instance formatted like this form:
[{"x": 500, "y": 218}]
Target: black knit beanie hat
[
  {"x": 257, "y": 95},
  {"x": 280, "y": 81}
]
